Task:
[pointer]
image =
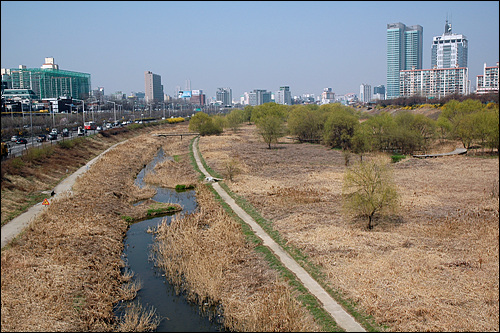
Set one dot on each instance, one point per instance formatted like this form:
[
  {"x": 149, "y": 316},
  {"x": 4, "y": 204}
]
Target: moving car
[
  {"x": 14, "y": 138},
  {"x": 52, "y": 136},
  {"x": 22, "y": 141},
  {"x": 65, "y": 132},
  {"x": 41, "y": 138}
]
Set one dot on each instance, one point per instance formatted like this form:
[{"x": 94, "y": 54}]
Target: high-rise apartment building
[
  {"x": 284, "y": 96},
  {"x": 224, "y": 96},
  {"x": 435, "y": 82},
  {"x": 449, "y": 50},
  {"x": 488, "y": 82},
  {"x": 404, "y": 51},
  {"x": 154, "y": 88},
  {"x": 365, "y": 93}
]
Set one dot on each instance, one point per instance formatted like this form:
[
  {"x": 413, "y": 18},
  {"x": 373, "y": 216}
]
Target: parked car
[
  {"x": 22, "y": 141},
  {"x": 41, "y": 138},
  {"x": 14, "y": 138},
  {"x": 52, "y": 136}
]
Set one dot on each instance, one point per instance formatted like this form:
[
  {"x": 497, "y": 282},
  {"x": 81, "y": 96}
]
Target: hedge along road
[
  {"x": 18, "y": 224},
  {"x": 343, "y": 319}
]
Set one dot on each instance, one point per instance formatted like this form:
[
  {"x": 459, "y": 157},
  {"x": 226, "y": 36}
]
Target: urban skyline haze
[{"x": 243, "y": 45}]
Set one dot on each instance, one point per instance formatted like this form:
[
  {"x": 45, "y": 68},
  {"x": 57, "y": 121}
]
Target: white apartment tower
[
  {"x": 327, "y": 96},
  {"x": 365, "y": 93}
]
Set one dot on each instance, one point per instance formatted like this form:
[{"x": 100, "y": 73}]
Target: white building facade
[
  {"x": 365, "y": 93},
  {"x": 488, "y": 82},
  {"x": 434, "y": 83}
]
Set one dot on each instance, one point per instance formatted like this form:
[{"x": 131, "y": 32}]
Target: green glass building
[
  {"x": 48, "y": 81},
  {"x": 404, "y": 52}
]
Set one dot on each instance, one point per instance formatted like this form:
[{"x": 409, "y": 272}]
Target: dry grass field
[{"x": 432, "y": 266}]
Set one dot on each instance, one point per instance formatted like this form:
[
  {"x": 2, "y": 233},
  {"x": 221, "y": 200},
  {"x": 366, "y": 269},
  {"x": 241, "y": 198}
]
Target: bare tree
[{"x": 368, "y": 188}]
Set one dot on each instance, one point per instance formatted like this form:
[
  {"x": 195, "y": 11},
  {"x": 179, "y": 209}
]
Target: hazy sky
[{"x": 306, "y": 45}]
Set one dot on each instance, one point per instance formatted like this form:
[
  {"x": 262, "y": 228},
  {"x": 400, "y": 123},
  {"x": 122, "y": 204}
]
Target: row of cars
[{"x": 42, "y": 137}]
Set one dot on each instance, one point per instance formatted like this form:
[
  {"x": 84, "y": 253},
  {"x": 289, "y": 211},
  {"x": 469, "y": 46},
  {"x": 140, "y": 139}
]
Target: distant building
[
  {"x": 434, "y": 83},
  {"x": 365, "y": 93},
  {"x": 259, "y": 97},
  {"x": 284, "y": 96},
  {"x": 197, "y": 97},
  {"x": 224, "y": 96},
  {"x": 154, "y": 88},
  {"x": 379, "y": 92},
  {"x": 48, "y": 81},
  {"x": 327, "y": 96},
  {"x": 488, "y": 82},
  {"x": 449, "y": 50},
  {"x": 404, "y": 51}
]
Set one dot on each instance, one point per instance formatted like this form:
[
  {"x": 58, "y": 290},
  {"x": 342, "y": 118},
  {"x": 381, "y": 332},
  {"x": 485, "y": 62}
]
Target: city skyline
[{"x": 307, "y": 46}]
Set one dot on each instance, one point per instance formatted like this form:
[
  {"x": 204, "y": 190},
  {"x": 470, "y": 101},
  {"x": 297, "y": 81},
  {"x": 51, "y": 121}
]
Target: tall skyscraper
[
  {"x": 404, "y": 51},
  {"x": 449, "y": 50},
  {"x": 154, "y": 88}
]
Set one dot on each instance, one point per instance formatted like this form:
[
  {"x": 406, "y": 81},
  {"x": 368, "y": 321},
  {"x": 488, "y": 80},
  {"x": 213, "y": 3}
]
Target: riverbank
[{"x": 64, "y": 272}]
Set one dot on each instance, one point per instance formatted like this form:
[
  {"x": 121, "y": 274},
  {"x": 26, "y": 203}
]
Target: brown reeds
[
  {"x": 206, "y": 256},
  {"x": 64, "y": 272}
]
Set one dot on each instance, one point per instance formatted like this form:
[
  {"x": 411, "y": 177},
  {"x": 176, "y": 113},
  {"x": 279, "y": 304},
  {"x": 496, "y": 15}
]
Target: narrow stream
[{"x": 178, "y": 315}]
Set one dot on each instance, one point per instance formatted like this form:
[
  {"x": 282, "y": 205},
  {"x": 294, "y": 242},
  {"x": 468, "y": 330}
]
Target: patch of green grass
[
  {"x": 396, "y": 158},
  {"x": 182, "y": 187},
  {"x": 127, "y": 219},
  {"x": 161, "y": 210}
]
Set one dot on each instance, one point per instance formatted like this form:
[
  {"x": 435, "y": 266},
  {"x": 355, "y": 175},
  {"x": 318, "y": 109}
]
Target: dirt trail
[{"x": 343, "y": 319}]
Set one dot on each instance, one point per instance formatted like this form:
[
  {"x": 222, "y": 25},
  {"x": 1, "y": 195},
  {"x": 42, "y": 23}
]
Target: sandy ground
[{"x": 432, "y": 266}]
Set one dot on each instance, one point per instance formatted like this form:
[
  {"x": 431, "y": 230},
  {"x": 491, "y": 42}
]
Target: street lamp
[
  {"x": 114, "y": 108},
  {"x": 83, "y": 110}
]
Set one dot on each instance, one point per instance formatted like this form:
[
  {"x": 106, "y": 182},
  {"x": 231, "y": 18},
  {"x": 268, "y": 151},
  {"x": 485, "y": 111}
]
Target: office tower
[
  {"x": 284, "y": 96},
  {"x": 224, "y": 96},
  {"x": 154, "y": 88},
  {"x": 259, "y": 97},
  {"x": 365, "y": 93},
  {"x": 404, "y": 51},
  {"x": 449, "y": 50},
  {"x": 488, "y": 82},
  {"x": 379, "y": 92},
  {"x": 435, "y": 82},
  {"x": 48, "y": 81}
]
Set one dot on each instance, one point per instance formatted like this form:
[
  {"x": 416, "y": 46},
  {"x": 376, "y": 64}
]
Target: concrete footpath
[
  {"x": 343, "y": 319},
  {"x": 18, "y": 224}
]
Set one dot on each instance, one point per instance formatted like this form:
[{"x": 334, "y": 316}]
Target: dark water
[{"x": 178, "y": 315}]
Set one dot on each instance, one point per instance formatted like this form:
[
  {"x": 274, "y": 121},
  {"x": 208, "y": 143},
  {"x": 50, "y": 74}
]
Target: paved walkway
[
  {"x": 458, "y": 151},
  {"x": 18, "y": 224},
  {"x": 343, "y": 319}
]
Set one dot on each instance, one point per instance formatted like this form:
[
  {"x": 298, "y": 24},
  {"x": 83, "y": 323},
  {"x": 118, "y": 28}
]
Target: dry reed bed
[
  {"x": 206, "y": 255},
  {"x": 63, "y": 273},
  {"x": 433, "y": 266}
]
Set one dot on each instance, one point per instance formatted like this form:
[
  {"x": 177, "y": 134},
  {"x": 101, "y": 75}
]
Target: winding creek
[{"x": 176, "y": 313}]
